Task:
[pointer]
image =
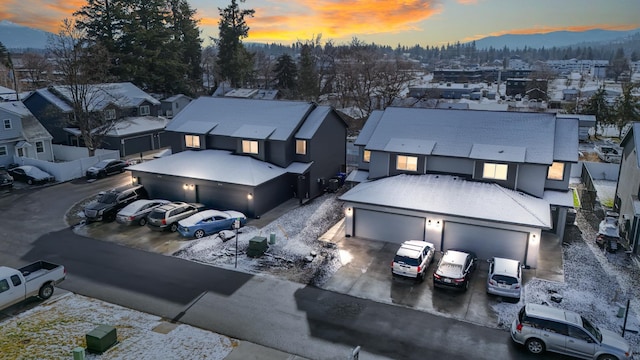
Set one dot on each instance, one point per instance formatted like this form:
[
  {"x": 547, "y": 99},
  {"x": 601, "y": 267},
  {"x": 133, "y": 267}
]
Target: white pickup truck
[{"x": 36, "y": 279}]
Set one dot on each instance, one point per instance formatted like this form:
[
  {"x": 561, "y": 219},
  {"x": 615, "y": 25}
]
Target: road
[{"x": 291, "y": 317}]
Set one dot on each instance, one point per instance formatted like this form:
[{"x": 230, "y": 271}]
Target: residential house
[
  {"x": 247, "y": 155},
  {"x": 484, "y": 181},
  {"x": 171, "y": 106},
  {"x": 21, "y": 135},
  {"x": 626, "y": 201},
  {"x": 118, "y": 102}
]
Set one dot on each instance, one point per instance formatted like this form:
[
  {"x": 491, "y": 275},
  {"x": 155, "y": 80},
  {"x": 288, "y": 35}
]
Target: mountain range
[{"x": 15, "y": 36}]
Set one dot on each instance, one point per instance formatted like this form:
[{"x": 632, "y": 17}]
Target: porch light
[
  {"x": 250, "y": 196},
  {"x": 348, "y": 211}
]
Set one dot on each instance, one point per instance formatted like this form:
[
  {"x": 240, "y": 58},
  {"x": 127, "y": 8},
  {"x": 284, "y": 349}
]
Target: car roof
[
  {"x": 193, "y": 219},
  {"x": 134, "y": 206},
  {"x": 551, "y": 313},
  {"x": 505, "y": 266},
  {"x": 413, "y": 248},
  {"x": 170, "y": 206}
]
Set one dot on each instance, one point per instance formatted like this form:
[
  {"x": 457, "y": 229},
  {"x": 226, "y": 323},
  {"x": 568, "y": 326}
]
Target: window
[
  {"x": 15, "y": 279},
  {"x": 110, "y": 114},
  {"x": 556, "y": 171},
  {"x": 39, "y": 147},
  {"x": 20, "y": 152},
  {"x": 250, "y": 146},
  {"x": 495, "y": 171},
  {"x": 366, "y": 156},
  {"x": 4, "y": 285},
  {"x": 7, "y": 124},
  {"x": 301, "y": 147},
  {"x": 407, "y": 163},
  {"x": 3, "y": 150},
  {"x": 192, "y": 141},
  {"x": 144, "y": 110}
]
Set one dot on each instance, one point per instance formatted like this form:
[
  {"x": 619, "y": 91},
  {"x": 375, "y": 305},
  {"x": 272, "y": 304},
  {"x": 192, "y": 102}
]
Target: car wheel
[
  {"x": 174, "y": 227},
  {"x": 607, "y": 357},
  {"x": 420, "y": 277},
  {"x": 45, "y": 291},
  {"x": 466, "y": 285},
  {"x": 30, "y": 181},
  {"x": 199, "y": 234},
  {"x": 142, "y": 222},
  {"x": 535, "y": 346}
]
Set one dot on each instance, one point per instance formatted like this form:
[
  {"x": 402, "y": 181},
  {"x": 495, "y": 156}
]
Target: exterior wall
[
  {"x": 49, "y": 116},
  {"x": 7, "y": 136},
  {"x": 379, "y": 166},
  {"x": 512, "y": 173},
  {"x": 327, "y": 149},
  {"x": 448, "y": 165},
  {"x": 531, "y": 179},
  {"x": 393, "y": 164},
  {"x": 563, "y": 184},
  {"x": 627, "y": 192},
  {"x": 280, "y": 152}
]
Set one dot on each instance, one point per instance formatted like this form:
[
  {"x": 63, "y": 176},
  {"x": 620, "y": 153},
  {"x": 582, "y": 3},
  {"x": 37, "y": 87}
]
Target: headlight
[{"x": 100, "y": 212}]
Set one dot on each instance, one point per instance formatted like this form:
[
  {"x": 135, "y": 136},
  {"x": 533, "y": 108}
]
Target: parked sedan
[
  {"x": 209, "y": 222},
  {"x": 137, "y": 211},
  {"x": 30, "y": 174},
  {"x": 455, "y": 269},
  {"x": 106, "y": 167}
]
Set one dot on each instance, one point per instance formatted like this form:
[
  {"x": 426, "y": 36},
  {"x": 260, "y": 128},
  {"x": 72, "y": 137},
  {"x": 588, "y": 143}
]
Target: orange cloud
[
  {"x": 468, "y": 2},
  {"x": 38, "y": 14},
  {"x": 340, "y": 19},
  {"x": 548, "y": 29}
]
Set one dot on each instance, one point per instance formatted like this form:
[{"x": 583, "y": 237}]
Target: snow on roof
[
  {"x": 254, "y": 132},
  {"x": 6, "y": 90},
  {"x": 135, "y": 125},
  {"x": 453, "y": 196},
  {"x": 221, "y": 166},
  {"x": 313, "y": 122},
  {"x": 559, "y": 198},
  {"x": 230, "y": 114},
  {"x": 369, "y": 127},
  {"x": 124, "y": 95},
  {"x": 456, "y": 131},
  {"x": 176, "y": 97},
  {"x": 358, "y": 176},
  {"x": 565, "y": 147},
  {"x": 32, "y": 129},
  {"x": 59, "y": 103},
  {"x": 409, "y": 146},
  {"x": 195, "y": 218},
  {"x": 514, "y": 154},
  {"x": 15, "y": 107}
]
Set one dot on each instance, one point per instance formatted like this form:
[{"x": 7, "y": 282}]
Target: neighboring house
[
  {"x": 52, "y": 106},
  {"x": 21, "y": 135},
  {"x": 626, "y": 202},
  {"x": 131, "y": 136},
  {"x": 585, "y": 124},
  {"x": 478, "y": 180},
  {"x": 171, "y": 106},
  {"x": 247, "y": 155}
]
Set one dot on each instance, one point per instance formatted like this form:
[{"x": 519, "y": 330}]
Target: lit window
[
  {"x": 250, "y": 146},
  {"x": 301, "y": 147},
  {"x": 7, "y": 124},
  {"x": 192, "y": 141},
  {"x": 556, "y": 171},
  {"x": 144, "y": 110},
  {"x": 3, "y": 150},
  {"x": 495, "y": 171},
  {"x": 407, "y": 163},
  {"x": 39, "y": 146},
  {"x": 110, "y": 114},
  {"x": 366, "y": 156}
]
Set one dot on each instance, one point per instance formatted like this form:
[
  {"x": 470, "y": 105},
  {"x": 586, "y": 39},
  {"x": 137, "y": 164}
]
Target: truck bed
[{"x": 37, "y": 269}]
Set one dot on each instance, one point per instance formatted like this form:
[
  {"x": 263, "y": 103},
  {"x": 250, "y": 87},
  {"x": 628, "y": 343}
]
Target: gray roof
[
  {"x": 53, "y": 99},
  {"x": 221, "y": 166},
  {"x": 369, "y": 128},
  {"x": 123, "y": 95},
  {"x": 559, "y": 198},
  {"x": 313, "y": 122},
  {"x": 32, "y": 129},
  {"x": 130, "y": 126},
  {"x": 511, "y": 136},
  {"x": 226, "y": 116},
  {"x": 450, "y": 195},
  {"x": 176, "y": 97}
]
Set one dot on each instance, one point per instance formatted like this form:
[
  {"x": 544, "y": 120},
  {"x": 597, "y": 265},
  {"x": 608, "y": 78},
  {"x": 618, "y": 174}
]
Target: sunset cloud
[
  {"x": 548, "y": 29},
  {"x": 44, "y": 15}
]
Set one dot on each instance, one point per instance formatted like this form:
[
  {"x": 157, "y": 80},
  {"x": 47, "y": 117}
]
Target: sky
[{"x": 385, "y": 22}]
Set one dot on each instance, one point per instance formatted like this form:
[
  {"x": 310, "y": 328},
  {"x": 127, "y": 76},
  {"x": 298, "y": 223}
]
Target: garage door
[
  {"x": 486, "y": 242},
  {"x": 389, "y": 227}
]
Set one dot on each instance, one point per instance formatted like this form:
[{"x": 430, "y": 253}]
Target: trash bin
[
  {"x": 272, "y": 238},
  {"x": 621, "y": 310}
]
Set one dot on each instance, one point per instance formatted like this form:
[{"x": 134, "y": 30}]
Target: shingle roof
[{"x": 123, "y": 95}]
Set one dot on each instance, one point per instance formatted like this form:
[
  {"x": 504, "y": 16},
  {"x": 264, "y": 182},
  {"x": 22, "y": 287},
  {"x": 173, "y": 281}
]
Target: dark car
[
  {"x": 106, "y": 167},
  {"x": 110, "y": 202},
  {"x": 6, "y": 180},
  {"x": 30, "y": 174},
  {"x": 454, "y": 269}
]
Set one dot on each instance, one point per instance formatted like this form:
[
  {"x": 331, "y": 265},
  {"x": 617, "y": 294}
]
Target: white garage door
[
  {"x": 388, "y": 227},
  {"x": 486, "y": 242}
]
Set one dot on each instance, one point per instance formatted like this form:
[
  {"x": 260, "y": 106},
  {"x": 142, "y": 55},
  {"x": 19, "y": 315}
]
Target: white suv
[
  {"x": 504, "y": 278},
  {"x": 412, "y": 259}
]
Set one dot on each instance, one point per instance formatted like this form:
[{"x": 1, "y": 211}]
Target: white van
[{"x": 505, "y": 278}]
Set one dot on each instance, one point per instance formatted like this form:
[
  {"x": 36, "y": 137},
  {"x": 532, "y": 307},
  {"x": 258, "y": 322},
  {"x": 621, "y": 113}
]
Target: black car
[
  {"x": 6, "y": 180},
  {"x": 455, "y": 269},
  {"x": 108, "y": 203},
  {"x": 30, "y": 174},
  {"x": 106, "y": 167}
]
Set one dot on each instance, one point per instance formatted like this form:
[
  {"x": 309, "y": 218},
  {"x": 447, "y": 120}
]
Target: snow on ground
[{"x": 54, "y": 329}]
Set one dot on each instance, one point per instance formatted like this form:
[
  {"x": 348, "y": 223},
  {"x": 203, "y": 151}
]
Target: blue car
[{"x": 209, "y": 222}]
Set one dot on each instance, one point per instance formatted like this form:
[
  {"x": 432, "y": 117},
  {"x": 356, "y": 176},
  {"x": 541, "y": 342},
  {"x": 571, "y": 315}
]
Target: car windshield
[
  {"x": 503, "y": 279},
  {"x": 101, "y": 164},
  {"x": 156, "y": 214},
  {"x": 107, "y": 198},
  {"x": 450, "y": 268},
  {"x": 592, "y": 329},
  {"x": 406, "y": 260}
]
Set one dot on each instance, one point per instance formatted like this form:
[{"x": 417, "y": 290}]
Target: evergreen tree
[
  {"x": 597, "y": 105},
  {"x": 286, "y": 73},
  {"x": 308, "y": 76},
  {"x": 619, "y": 64},
  {"x": 627, "y": 108},
  {"x": 234, "y": 61}
]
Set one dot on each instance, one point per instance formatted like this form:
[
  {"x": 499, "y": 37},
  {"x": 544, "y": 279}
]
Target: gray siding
[
  {"x": 563, "y": 184},
  {"x": 379, "y": 166},
  {"x": 449, "y": 165},
  {"x": 327, "y": 149},
  {"x": 531, "y": 179}
]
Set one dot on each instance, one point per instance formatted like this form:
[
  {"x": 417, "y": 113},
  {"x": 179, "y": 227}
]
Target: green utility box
[
  {"x": 101, "y": 339},
  {"x": 257, "y": 246}
]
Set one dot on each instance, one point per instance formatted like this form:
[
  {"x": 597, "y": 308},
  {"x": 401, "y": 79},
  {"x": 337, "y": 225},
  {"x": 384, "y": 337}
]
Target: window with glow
[
  {"x": 39, "y": 147},
  {"x": 556, "y": 171},
  {"x": 7, "y": 124},
  {"x": 495, "y": 171},
  {"x": 3, "y": 150},
  {"x": 192, "y": 141},
  {"x": 144, "y": 110},
  {"x": 366, "y": 156},
  {"x": 249, "y": 146},
  {"x": 407, "y": 163},
  {"x": 110, "y": 114},
  {"x": 301, "y": 147}
]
